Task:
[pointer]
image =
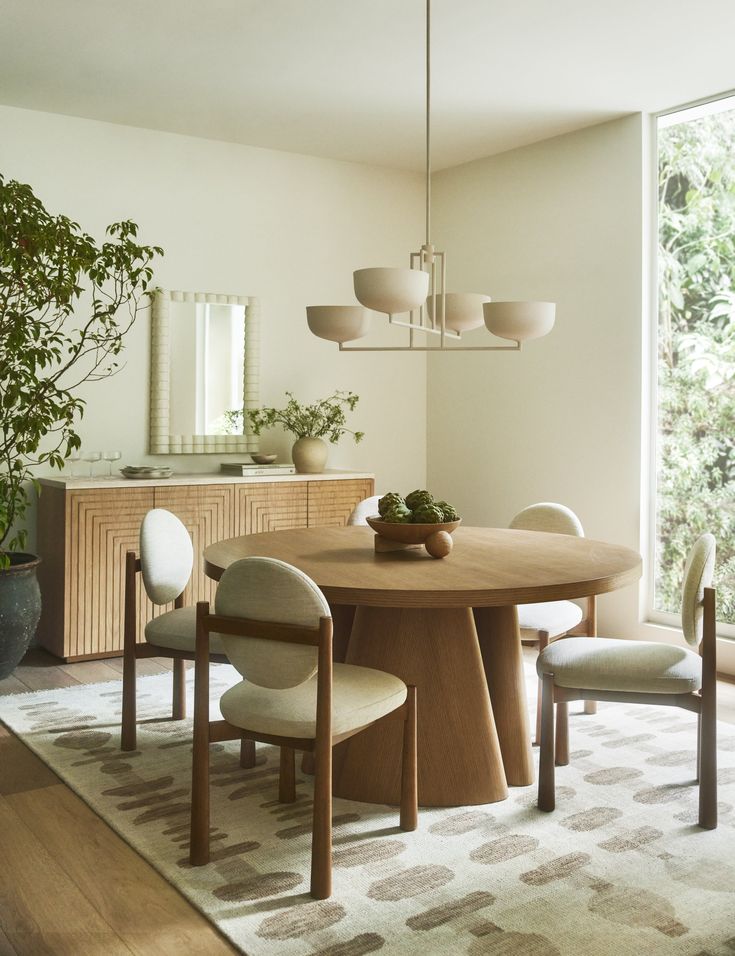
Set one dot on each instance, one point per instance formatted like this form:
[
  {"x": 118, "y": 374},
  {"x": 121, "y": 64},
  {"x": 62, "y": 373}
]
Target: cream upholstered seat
[
  {"x": 166, "y": 562},
  {"x": 541, "y": 623},
  {"x": 554, "y": 617},
  {"x": 176, "y": 630},
  {"x": 364, "y": 509},
  {"x": 643, "y": 667},
  {"x": 276, "y": 628},
  {"x": 644, "y": 672},
  {"x": 360, "y": 695}
]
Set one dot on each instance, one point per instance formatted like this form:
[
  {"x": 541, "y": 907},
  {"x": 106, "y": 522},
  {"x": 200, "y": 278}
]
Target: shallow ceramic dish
[
  {"x": 410, "y": 533},
  {"x": 264, "y": 459},
  {"x": 145, "y": 472}
]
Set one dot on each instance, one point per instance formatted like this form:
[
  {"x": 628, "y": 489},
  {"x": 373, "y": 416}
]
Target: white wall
[
  {"x": 561, "y": 420},
  {"x": 288, "y": 228},
  {"x": 566, "y": 418}
]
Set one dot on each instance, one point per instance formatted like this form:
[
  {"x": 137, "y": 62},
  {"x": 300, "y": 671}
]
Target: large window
[{"x": 695, "y": 393}]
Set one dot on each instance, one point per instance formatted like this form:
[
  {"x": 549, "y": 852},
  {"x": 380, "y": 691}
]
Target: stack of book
[{"x": 249, "y": 468}]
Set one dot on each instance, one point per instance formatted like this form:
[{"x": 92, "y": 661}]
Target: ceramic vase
[
  {"x": 20, "y": 609},
  {"x": 310, "y": 455}
]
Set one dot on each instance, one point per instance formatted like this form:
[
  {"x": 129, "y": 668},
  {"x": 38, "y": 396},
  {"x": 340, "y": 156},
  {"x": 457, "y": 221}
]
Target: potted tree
[
  {"x": 311, "y": 424},
  {"x": 61, "y": 296}
]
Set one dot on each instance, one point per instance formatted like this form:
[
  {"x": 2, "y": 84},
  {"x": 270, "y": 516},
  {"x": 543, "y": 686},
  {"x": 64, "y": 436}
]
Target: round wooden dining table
[{"x": 448, "y": 626}]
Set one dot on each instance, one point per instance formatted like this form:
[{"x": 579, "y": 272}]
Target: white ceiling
[{"x": 344, "y": 79}]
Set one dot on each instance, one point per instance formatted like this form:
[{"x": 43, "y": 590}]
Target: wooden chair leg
[
  {"x": 409, "y": 767},
  {"x": 546, "y": 785},
  {"x": 199, "y": 838},
  {"x": 708, "y": 765},
  {"x": 128, "y": 729},
  {"x": 287, "y": 776},
  {"x": 590, "y": 706},
  {"x": 321, "y": 844},
  {"x": 699, "y": 746},
  {"x": 708, "y": 717},
  {"x": 543, "y": 640},
  {"x": 562, "y": 734},
  {"x": 178, "y": 711},
  {"x": 247, "y": 753}
]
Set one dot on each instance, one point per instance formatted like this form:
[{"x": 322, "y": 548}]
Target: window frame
[{"x": 649, "y": 508}]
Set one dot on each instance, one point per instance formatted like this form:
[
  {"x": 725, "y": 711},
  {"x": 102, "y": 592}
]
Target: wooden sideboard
[{"x": 85, "y": 526}]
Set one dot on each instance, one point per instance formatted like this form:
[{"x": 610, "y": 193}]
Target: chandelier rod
[{"x": 428, "y": 122}]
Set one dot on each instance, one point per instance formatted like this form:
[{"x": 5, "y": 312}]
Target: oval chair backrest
[
  {"x": 548, "y": 516},
  {"x": 264, "y": 589},
  {"x": 698, "y": 574},
  {"x": 166, "y": 555},
  {"x": 364, "y": 509}
]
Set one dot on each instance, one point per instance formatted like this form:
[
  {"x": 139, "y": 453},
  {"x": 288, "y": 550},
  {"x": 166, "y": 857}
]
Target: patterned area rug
[{"x": 620, "y": 867}]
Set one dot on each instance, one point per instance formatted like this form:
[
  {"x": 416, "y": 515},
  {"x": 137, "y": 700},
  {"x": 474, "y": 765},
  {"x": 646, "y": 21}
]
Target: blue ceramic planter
[{"x": 20, "y": 609}]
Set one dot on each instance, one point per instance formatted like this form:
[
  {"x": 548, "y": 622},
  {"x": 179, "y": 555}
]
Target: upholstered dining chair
[
  {"x": 541, "y": 623},
  {"x": 276, "y": 629},
  {"x": 639, "y": 672},
  {"x": 166, "y": 561},
  {"x": 364, "y": 509}
]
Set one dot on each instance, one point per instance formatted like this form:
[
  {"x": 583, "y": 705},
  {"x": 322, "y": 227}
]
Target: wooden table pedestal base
[{"x": 460, "y": 760}]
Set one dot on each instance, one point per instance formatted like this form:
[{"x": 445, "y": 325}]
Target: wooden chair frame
[
  {"x": 207, "y": 732},
  {"x": 587, "y": 627},
  {"x": 133, "y": 650},
  {"x": 702, "y": 702}
]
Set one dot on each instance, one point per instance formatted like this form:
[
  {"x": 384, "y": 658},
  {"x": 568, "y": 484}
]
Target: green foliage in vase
[
  {"x": 323, "y": 419},
  {"x": 696, "y": 353},
  {"x": 60, "y": 298}
]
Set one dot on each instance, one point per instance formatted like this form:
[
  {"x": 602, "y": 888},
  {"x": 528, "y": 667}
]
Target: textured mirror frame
[{"x": 162, "y": 442}]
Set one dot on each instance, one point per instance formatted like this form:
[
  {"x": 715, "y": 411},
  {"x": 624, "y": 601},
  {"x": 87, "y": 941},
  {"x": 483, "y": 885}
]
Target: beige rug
[{"x": 619, "y": 868}]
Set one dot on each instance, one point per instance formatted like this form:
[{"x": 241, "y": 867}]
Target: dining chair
[
  {"x": 276, "y": 629},
  {"x": 541, "y": 623},
  {"x": 644, "y": 672},
  {"x": 166, "y": 562},
  {"x": 364, "y": 509}
]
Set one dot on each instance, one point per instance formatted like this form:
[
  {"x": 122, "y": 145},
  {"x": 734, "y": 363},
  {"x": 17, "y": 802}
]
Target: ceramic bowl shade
[
  {"x": 519, "y": 321},
  {"x": 338, "y": 323},
  {"x": 391, "y": 290},
  {"x": 463, "y": 310}
]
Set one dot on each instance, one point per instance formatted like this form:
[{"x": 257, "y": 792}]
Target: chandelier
[{"x": 419, "y": 293}]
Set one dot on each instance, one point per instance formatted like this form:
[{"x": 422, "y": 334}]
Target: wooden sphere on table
[{"x": 439, "y": 544}]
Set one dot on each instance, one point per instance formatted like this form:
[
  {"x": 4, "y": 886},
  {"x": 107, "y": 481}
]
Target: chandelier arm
[{"x": 430, "y": 348}]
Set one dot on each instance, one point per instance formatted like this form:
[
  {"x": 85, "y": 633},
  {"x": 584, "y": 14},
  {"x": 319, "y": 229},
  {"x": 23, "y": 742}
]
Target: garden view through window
[{"x": 695, "y": 464}]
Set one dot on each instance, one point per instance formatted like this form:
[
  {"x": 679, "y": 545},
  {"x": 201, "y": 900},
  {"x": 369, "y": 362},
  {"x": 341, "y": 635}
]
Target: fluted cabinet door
[
  {"x": 207, "y": 513},
  {"x": 331, "y": 502},
  {"x": 270, "y": 507},
  {"x": 102, "y": 526}
]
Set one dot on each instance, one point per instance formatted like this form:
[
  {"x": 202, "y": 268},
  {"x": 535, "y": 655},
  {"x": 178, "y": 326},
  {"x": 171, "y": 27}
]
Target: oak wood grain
[{"x": 488, "y": 567}]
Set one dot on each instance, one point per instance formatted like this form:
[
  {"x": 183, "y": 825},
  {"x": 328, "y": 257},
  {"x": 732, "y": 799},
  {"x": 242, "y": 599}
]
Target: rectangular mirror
[{"x": 204, "y": 372}]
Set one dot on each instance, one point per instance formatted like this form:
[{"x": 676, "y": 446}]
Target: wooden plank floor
[{"x": 68, "y": 883}]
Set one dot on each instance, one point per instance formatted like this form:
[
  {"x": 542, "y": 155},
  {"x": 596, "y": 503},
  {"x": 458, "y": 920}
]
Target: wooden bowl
[{"x": 410, "y": 533}]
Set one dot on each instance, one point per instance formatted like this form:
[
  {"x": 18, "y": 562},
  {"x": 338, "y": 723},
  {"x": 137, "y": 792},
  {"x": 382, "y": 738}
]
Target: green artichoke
[
  {"x": 418, "y": 498},
  {"x": 449, "y": 511},
  {"x": 390, "y": 501},
  {"x": 427, "y": 514},
  {"x": 398, "y": 514}
]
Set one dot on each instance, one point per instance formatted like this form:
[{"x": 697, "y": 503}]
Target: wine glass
[
  {"x": 109, "y": 457},
  {"x": 75, "y": 456},
  {"x": 92, "y": 457}
]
